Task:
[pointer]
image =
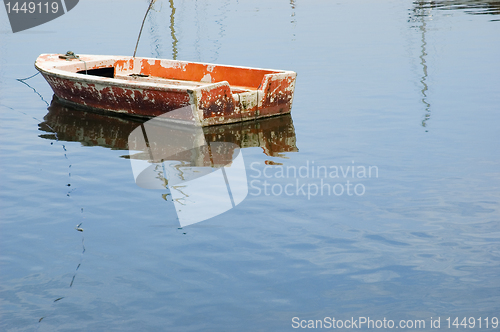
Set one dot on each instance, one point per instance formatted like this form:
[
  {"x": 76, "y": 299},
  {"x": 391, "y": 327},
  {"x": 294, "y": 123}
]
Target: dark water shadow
[{"x": 472, "y": 7}]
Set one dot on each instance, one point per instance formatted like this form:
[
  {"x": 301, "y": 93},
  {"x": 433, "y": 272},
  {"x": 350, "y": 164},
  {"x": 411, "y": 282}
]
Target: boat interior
[{"x": 171, "y": 72}]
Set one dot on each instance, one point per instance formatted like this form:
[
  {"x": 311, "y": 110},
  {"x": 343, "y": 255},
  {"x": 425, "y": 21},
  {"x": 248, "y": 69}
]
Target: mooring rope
[
  {"x": 22, "y": 80},
  {"x": 82, "y": 218},
  {"x": 142, "y": 26},
  {"x": 27, "y": 78},
  {"x": 86, "y": 73}
]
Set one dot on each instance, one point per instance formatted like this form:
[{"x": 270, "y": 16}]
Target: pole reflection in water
[
  {"x": 200, "y": 23},
  {"x": 202, "y": 168},
  {"x": 156, "y": 32},
  {"x": 155, "y": 35},
  {"x": 172, "y": 30},
  {"x": 293, "y": 20},
  {"x": 421, "y": 11}
]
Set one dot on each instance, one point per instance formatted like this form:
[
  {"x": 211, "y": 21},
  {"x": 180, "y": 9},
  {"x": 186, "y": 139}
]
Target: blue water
[{"x": 409, "y": 89}]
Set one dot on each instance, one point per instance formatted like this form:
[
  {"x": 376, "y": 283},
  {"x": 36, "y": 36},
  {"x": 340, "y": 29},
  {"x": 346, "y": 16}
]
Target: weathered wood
[{"x": 146, "y": 87}]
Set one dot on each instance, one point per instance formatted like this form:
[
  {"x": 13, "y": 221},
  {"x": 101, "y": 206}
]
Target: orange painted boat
[{"x": 148, "y": 87}]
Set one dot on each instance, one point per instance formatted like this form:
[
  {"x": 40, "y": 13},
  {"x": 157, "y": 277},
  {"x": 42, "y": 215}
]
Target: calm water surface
[{"x": 409, "y": 89}]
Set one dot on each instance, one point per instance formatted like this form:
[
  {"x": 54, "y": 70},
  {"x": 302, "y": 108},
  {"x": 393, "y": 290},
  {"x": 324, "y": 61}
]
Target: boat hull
[{"x": 145, "y": 87}]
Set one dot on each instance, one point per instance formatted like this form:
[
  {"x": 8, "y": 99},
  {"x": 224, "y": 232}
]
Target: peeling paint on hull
[{"x": 146, "y": 87}]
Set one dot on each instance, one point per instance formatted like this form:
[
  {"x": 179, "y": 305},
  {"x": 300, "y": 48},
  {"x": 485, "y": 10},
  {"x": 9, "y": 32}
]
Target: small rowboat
[{"x": 148, "y": 87}]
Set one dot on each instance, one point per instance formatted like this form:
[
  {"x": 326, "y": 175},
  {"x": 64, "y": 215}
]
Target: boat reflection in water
[
  {"x": 275, "y": 135},
  {"x": 201, "y": 167}
]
